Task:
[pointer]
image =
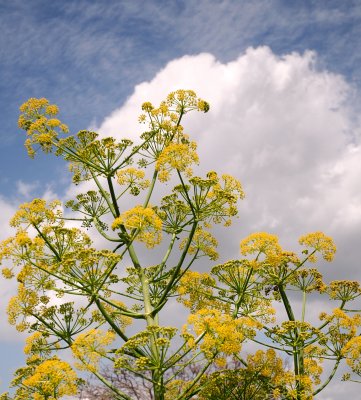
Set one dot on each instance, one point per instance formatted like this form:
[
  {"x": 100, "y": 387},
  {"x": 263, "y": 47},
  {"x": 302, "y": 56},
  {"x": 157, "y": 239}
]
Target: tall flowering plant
[{"x": 73, "y": 295}]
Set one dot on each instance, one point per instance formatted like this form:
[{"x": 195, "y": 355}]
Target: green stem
[
  {"x": 100, "y": 230},
  {"x": 169, "y": 286},
  {"x": 296, "y": 351},
  {"x": 112, "y": 195},
  {"x": 151, "y": 188},
  {"x": 185, "y": 393},
  {"x": 110, "y": 321},
  {"x": 303, "y": 305},
  {"x": 176, "y": 360},
  {"x": 244, "y": 287},
  {"x": 105, "y": 195},
  {"x": 328, "y": 380}
]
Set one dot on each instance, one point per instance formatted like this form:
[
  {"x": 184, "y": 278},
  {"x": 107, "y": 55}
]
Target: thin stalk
[
  {"x": 100, "y": 230},
  {"x": 199, "y": 338},
  {"x": 328, "y": 380},
  {"x": 110, "y": 321},
  {"x": 244, "y": 287},
  {"x": 122, "y": 396},
  {"x": 195, "y": 380},
  {"x": 104, "y": 194},
  {"x": 112, "y": 195},
  {"x": 177, "y": 269},
  {"x": 303, "y": 305},
  {"x": 151, "y": 188}
]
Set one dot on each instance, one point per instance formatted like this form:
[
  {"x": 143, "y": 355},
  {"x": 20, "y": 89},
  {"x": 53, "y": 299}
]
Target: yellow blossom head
[
  {"x": 89, "y": 347},
  {"x": 50, "y": 377},
  {"x": 319, "y": 242},
  {"x": 144, "y": 223},
  {"x": 260, "y": 243},
  {"x": 177, "y": 156},
  {"x": 37, "y": 119}
]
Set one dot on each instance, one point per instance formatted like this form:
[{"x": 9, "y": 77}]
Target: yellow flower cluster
[
  {"x": 346, "y": 321},
  {"x": 352, "y": 352},
  {"x": 267, "y": 364},
  {"x": 89, "y": 347},
  {"x": 344, "y": 290},
  {"x": 51, "y": 380},
  {"x": 341, "y": 328},
  {"x": 19, "y": 248},
  {"x": 186, "y": 100},
  {"x": 173, "y": 388},
  {"x": 224, "y": 334},
  {"x": 308, "y": 280},
  {"x": 295, "y": 331},
  {"x": 213, "y": 198},
  {"x": 321, "y": 243},
  {"x": 177, "y": 156},
  {"x": 144, "y": 221},
  {"x": 36, "y": 212},
  {"x": 22, "y": 306},
  {"x": 35, "y": 343},
  {"x": 133, "y": 178},
  {"x": 262, "y": 378},
  {"x": 225, "y": 193},
  {"x": 165, "y": 130},
  {"x": 313, "y": 369},
  {"x": 195, "y": 290},
  {"x": 143, "y": 343},
  {"x": 89, "y": 156},
  {"x": 42, "y": 128},
  {"x": 203, "y": 243},
  {"x": 260, "y": 243}
]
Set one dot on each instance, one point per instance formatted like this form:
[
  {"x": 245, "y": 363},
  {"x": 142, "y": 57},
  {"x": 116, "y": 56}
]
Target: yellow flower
[
  {"x": 344, "y": 290},
  {"x": 179, "y": 156},
  {"x": 30, "y": 341},
  {"x": 203, "y": 242},
  {"x": 260, "y": 242},
  {"x": 36, "y": 212},
  {"x": 89, "y": 347},
  {"x": 7, "y": 273},
  {"x": 145, "y": 222},
  {"x": 320, "y": 243},
  {"x": 50, "y": 377},
  {"x": 22, "y": 306},
  {"x": 134, "y": 178},
  {"x": 352, "y": 352},
  {"x": 147, "y": 106},
  {"x": 224, "y": 334},
  {"x": 40, "y": 129},
  {"x": 195, "y": 290}
]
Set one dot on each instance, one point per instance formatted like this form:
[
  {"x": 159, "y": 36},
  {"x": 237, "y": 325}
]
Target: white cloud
[
  {"x": 288, "y": 131},
  {"x": 25, "y": 189},
  {"x": 284, "y": 128}
]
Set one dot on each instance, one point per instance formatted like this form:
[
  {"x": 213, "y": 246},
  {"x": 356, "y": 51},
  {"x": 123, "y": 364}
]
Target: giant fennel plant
[{"x": 74, "y": 296}]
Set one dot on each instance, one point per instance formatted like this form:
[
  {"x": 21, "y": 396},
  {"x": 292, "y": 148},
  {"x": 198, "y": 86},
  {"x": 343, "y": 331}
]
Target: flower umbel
[{"x": 144, "y": 223}]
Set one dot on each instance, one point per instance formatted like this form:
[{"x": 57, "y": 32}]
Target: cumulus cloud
[
  {"x": 280, "y": 125},
  {"x": 287, "y": 130}
]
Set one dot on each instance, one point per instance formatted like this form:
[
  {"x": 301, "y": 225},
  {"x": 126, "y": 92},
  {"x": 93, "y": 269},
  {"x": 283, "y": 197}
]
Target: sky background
[{"x": 283, "y": 79}]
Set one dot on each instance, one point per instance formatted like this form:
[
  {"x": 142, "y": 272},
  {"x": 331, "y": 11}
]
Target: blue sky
[{"x": 88, "y": 57}]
